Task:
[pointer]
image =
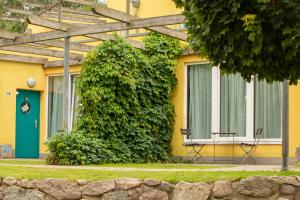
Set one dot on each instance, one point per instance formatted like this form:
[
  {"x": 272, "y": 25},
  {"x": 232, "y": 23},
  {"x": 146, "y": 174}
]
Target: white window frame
[
  {"x": 47, "y": 101},
  {"x": 71, "y": 101},
  {"x": 216, "y": 94}
]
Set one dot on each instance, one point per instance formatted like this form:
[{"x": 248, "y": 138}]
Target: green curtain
[
  {"x": 200, "y": 96},
  {"x": 55, "y": 105},
  {"x": 268, "y": 108},
  {"x": 233, "y": 104}
]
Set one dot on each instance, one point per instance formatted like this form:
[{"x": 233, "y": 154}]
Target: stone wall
[{"x": 253, "y": 188}]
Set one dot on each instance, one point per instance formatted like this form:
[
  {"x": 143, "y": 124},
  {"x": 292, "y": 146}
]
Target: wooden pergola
[{"x": 66, "y": 23}]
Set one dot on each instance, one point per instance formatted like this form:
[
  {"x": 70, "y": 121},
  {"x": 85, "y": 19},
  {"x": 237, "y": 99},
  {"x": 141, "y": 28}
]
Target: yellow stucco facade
[
  {"x": 264, "y": 150},
  {"x": 14, "y": 76}
]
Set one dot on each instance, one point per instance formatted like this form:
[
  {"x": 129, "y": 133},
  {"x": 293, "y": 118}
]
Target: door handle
[{"x": 36, "y": 123}]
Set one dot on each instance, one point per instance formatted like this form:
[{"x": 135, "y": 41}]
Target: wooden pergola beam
[
  {"x": 71, "y": 17},
  {"x": 105, "y": 37},
  {"x": 52, "y": 43},
  {"x": 81, "y": 2},
  {"x": 12, "y": 19},
  {"x": 48, "y": 7},
  {"x": 97, "y": 28},
  {"x": 60, "y": 63},
  {"x": 73, "y": 45},
  {"x": 7, "y": 35},
  {"x": 63, "y": 27},
  {"x": 36, "y": 20},
  {"x": 22, "y": 59},
  {"x": 17, "y": 11},
  {"x": 41, "y": 51},
  {"x": 79, "y": 12},
  {"x": 124, "y": 17}
]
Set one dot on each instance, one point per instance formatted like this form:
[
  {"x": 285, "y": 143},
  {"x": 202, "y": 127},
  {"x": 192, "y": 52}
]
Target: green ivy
[
  {"x": 126, "y": 99},
  {"x": 77, "y": 149}
]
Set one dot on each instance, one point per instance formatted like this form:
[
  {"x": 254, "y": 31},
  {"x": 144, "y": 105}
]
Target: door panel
[{"x": 27, "y": 124}]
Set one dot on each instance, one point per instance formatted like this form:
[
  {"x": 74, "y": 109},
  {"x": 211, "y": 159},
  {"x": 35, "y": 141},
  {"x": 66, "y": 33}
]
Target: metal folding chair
[
  {"x": 193, "y": 148},
  {"x": 249, "y": 148}
]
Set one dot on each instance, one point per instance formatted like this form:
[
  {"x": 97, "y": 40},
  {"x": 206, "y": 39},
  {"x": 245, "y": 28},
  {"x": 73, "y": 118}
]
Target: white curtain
[
  {"x": 233, "y": 104},
  {"x": 55, "y": 105},
  {"x": 268, "y": 108},
  {"x": 199, "y": 98},
  {"x": 74, "y": 100}
]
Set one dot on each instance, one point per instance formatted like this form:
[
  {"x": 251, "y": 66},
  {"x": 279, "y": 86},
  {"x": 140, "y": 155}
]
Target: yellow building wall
[
  {"x": 14, "y": 76},
  {"x": 264, "y": 150}
]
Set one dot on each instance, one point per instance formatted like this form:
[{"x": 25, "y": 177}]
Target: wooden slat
[
  {"x": 64, "y": 16},
  {"x": 64, "y": 9},
  {"x": 60, "y": 63},
  {"x": 52, "y": 43},
  {"x": 12, "y": 19},
  {"x": 41, "y": 51},
  {"x": 7, "y": 35},
  {"x": 81, "y": 2},
  {"x": 74, "y": 18},
  {"x": 23, "y": 12},
  {"x": 124, "y": 17},
  {"x": 99, "y": 28},
  {"x": 32, "y": 19},
  {"x": 22, "y": 59},
  {"x": 73, "y": 45},
  {"x": 36, "y": 5},
  {"x": 105, "y": 37},
  {"x": 48, "y": 7},
  {"x": 79, "y": 12}
]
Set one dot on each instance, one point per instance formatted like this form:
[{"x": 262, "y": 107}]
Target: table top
[{"x": 223, "y": 133}]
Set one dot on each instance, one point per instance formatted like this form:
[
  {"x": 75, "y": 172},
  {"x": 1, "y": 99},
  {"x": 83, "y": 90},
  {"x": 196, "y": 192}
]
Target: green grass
[
  {"x": 124, "y": 165},
  {"x": 74, "y": 174},
  {"x": 164, "y": 166}
]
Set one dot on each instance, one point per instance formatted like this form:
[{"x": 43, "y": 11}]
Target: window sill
[{"x": 236, "y": 142}]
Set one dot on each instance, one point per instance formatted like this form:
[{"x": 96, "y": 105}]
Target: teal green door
[{"x": 27, "y": 124}]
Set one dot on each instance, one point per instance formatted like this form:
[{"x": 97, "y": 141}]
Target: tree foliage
[
  {"x": 125, "y": 99},
  {"x": 250, "y": 37}
]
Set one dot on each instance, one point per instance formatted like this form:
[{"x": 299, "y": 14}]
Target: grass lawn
[
  {"x": 88, "y": 174},
  {"x": 124, "y": 165}
]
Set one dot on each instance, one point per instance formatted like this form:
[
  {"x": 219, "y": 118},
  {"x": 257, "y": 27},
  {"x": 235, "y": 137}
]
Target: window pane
[
  {"x": 199, "y": 108},
  {"x": 233, "y": 104},
  {"x": 268, "y": 108},
  {"x": 55, "y": 105}
]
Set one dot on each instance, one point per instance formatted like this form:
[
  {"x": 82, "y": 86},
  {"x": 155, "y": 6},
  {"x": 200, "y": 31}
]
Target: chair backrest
[
  {"x": 186, "y": 132},
  {"x": 257, "y": 136}
]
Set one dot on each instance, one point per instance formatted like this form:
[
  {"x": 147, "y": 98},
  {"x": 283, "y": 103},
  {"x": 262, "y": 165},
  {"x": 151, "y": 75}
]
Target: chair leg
[
  {"x": 248, "y": 156},
  {"x": 198, "y": 153},
  {"x": 195, "y": 153},
  {"x": 187, "y": 155},
  {"x": 245, "y": 157}
]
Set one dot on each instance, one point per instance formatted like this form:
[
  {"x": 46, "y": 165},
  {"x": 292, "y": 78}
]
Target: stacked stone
[{"x": 253, "y": 188}]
